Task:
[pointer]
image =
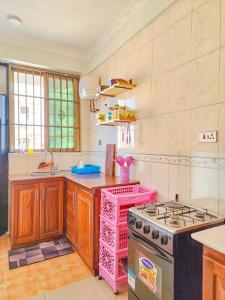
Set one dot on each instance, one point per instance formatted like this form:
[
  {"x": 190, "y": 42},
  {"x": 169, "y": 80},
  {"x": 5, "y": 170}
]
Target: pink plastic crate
[
  {"x": 113, "y": 266},
  {"x": 116, "y": 201},
  {"x": 113, "y": 236}
]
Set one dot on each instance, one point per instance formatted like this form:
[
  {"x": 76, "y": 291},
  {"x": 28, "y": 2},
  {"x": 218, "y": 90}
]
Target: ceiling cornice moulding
[
  {"x": 132, "y": 19},
  {"x": 122, "y": 19}
]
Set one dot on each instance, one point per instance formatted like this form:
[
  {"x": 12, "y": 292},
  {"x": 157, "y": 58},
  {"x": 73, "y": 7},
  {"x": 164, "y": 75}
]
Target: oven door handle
[{"x": 144, "y": 245}]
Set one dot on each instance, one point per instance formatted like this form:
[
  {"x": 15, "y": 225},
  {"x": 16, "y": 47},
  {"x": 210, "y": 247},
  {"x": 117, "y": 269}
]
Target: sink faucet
[{"x": 52, "y": 160}]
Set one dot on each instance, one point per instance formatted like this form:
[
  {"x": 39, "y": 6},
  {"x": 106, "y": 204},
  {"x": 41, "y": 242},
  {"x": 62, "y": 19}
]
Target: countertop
[
  {"x": 213, "y": 238},
  {"x": 90, "y": 181}
]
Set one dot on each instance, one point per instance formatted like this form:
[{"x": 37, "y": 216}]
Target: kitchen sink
[{"x": 43, "y": 174}]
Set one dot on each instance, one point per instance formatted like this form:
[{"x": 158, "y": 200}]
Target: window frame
[{"x": 46, "y": 73}]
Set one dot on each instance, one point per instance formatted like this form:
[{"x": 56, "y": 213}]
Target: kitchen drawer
[{"x": 70, "y": 215}]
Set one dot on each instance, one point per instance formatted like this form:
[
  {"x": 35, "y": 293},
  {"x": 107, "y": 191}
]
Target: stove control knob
[
  {"x": 132, "y": 220},
  {"x": 146, "y": 229},
  {"x": 155, "y": 234},
  {"x": 138, "y": 224},
  {"x": 164, "y": 240}
]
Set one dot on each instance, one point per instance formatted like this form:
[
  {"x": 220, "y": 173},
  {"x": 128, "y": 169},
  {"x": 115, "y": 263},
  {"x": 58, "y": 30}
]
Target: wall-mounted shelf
[
  {"x": 115, "y": 122},
  {"x": 116, "y": 89}
]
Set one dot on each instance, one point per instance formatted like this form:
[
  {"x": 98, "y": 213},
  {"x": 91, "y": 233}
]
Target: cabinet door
[
  {"x": 51, "y": 209},
  {"x": 71, "y": 212},
  {"x": 24, "y": 214},
  {"x": 213, "y": 276},
  {"x": 84, "y": 226}
]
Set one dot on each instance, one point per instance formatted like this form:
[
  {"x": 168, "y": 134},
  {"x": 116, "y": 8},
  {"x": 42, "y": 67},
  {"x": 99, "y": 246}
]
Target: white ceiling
[{"x": 65, "y": 27}]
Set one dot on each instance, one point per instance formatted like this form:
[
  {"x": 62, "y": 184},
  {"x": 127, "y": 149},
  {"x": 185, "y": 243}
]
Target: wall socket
[{"x": 208, "y": 137}]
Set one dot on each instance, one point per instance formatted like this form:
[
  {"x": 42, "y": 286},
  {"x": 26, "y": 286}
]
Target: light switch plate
[{"x": 208, "y": 137}]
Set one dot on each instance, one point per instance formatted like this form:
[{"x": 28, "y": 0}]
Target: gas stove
[
  {"x": 160, "y": 222},
  {"x": 160, "y": 241}
]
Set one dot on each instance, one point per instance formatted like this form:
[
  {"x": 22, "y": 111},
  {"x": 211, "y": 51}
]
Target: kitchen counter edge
[
  {"x": 213, "y": 238},
  {"x": 91, "y": 182}
]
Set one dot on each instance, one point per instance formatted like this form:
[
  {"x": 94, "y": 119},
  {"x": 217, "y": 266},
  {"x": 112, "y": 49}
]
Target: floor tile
[
  {"x": 38, "y": 297},
  {"x": 2, "y": 293},
  {"x": 81, "y": 290},
  {"x": 23, "y": 292},
  {"x": 108, "y": 290}
]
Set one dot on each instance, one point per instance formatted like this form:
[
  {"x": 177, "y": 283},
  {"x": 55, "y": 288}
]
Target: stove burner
[
  {"x": 150, "y": 209},
  {"x": 174, "y": 205},
  {"x": 174, "y": 220},
  {"x": 200, "y": 215}
]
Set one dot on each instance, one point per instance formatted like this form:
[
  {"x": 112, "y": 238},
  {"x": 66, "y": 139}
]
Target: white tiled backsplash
[{"x": 25, "y": 163}]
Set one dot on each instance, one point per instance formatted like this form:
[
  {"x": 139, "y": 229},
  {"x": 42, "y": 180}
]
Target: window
[{"x": 44, "y": 111}]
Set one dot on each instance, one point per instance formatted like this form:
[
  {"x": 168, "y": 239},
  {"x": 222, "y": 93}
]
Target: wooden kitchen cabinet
[
  {"x": 51, "y": 209},
  {"x": 37, "y": 211},
  {"x": 84, "y": 226},
  {"x": 71, "y": 212},
  {"x": 24, "y": 213},
  {"x": 213, "y": 275}
]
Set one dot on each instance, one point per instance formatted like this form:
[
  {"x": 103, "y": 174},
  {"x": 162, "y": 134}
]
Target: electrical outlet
[{"x": 208, "y": 137}]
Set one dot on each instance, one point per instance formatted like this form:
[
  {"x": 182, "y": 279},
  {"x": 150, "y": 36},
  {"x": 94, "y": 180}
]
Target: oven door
[{"x": 150, "y": 270}]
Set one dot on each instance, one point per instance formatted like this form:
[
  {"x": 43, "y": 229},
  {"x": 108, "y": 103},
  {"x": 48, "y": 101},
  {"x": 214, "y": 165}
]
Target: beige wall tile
[
  {"x": 206, "y": 28},
  {"x": 179, "y": 10},
  {"x": 160, "y": 95},
  {"x": 143, "y": 100},
  {"x": 204, "y": 119},
  {"x": 143, "y": 137},
  {"x": 161, "y": 23},
  {"x": 84, "y": 114},
  {"x": 180, "y": 88},
  {"x": 222, "y": 130},
  {"x": 197, "y": 3},
  {"x": 222, "y": 192},
  {"x": 160, "y": 181},
  {"x": 179, "y": 134},
  {"x": 143, "y": 37},
  {"x": 179, "y": 183},
  {"x": 205, "y": 80},
  {"x": 180, "y": 42},
  {"x": 222, "y": 22},
  {"x": 204, "y": 188},
  {"x": 18, "y": 163},
  {"x": 143, "y": 171},
  {"x": 222, "y": 74},
  {"x": 158, "y": 137},
  {"x": 161, "y": 46},
  {"x": 85, "y": 139},
  {"x": 141, "y": 68}
]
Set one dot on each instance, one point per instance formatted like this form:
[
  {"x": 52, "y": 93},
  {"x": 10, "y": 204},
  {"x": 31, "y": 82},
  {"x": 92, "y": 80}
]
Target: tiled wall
[{"x": 178, "y": 64}]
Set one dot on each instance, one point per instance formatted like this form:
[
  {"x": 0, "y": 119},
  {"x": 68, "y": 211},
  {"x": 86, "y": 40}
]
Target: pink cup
[{"x": 124, "y": 174}]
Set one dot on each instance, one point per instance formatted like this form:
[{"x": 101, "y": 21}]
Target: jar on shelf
[{"x": 116, "y": 111}]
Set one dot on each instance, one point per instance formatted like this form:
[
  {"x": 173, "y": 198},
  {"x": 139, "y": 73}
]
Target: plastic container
[
  {"x": 113, "y": 267},
  {"x": 87, "y": 169},
  {"x": 116, "y": 201},
  {"x": 124, "y": 174},
  {"x": 115, "y": 237}
]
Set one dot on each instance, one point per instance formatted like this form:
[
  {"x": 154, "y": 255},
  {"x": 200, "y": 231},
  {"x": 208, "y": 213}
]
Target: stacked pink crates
[{"x": 113, "y": 249}]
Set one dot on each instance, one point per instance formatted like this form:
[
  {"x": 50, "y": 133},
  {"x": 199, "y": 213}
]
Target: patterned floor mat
[{"x": 37, "y": 253}]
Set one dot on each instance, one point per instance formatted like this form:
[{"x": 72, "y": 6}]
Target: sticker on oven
[
  {"x": 131, "y": 279},
  {"x": 148, "y": 273}
]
